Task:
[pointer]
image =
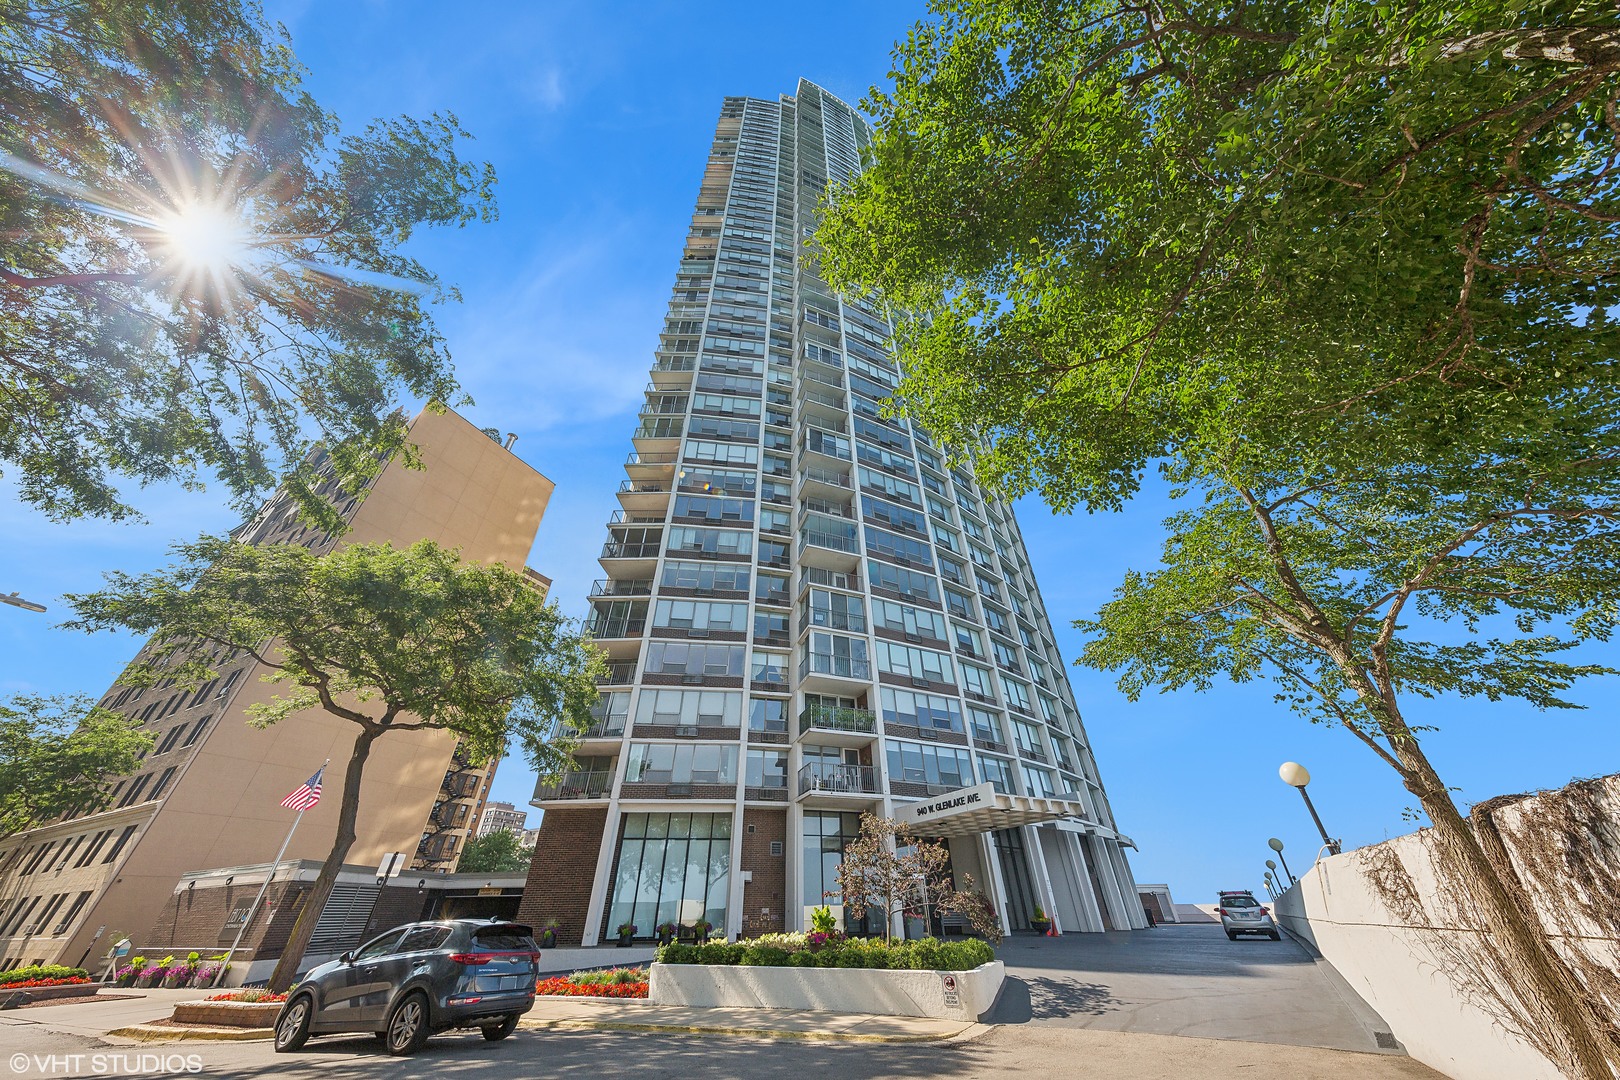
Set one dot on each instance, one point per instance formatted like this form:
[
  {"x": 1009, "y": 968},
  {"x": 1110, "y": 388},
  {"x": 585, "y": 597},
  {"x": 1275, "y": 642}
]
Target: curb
[
  {"x": 966, "y": 1032},
  {"x": 164, "y": 1033}
]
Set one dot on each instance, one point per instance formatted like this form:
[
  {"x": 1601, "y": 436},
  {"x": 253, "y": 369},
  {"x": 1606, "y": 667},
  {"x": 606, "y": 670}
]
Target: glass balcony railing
[
  {"x": 830, "y": 541},
  {"x": 833, "y": 718},
  {"x": 837, "y": 778}
]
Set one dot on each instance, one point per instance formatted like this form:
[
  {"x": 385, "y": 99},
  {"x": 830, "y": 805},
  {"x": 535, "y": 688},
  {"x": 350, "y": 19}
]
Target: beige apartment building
[{"x": 208, "y": 793}]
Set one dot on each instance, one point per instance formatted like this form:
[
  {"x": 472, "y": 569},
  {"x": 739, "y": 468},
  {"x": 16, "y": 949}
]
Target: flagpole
[{"x": 253, "y": 909}]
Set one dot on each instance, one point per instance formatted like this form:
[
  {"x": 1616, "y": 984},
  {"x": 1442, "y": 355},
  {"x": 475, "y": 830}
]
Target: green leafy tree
[
  {"x": 387, "y": 639},
  {"x": 1347, "y": 273},
  {"x": 888, "y": 867},
  {"x": 57, "y": 755},
  {"x": 200, "y": 273},
  {"x": 499, "y": 852}
]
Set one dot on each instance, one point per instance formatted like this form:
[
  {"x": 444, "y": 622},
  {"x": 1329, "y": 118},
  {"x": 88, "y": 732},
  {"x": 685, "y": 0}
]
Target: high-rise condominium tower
[{"x": 809, "y": 615}]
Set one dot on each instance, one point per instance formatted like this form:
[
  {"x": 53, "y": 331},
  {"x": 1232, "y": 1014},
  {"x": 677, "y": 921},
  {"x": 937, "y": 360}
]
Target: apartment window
[
  {"x": 713, "y": 509},
  {"x": 898, "y": 579},
  {"x": 719, "y": 482},
  {"x": 611, "y": 710},
  {"x": 1038, "y": 782},
  {"x": 977, "y": 680},
  {"x": 682, "y": 763},
  {"x": 39, "y": 855},
  {"x": 834, "y": 654},
  {"x": 93, "y": 848},
  {"x": 769, "y": 667},
  {"x": 197, "y": 731},
  {"x": 1017, "y": 694},
  {"x": 710, "y": 541},
  {"x": 684, "y": 658},
  {"x": 936, "y": 766},
  {"x": 689, "y": 708},
  {"x": 766, "y": 769},
  {"x": 996, "y": 772},
  {"x": 721, "y": 453},
  {"x": 928, "y": 711},
  {"x": 709, "y": 577},
  {"x": 986, "y": 725},
  {"x": 904, "y": 660},
  {"x": 901, "y": 548},
  {"x": 767, "y": 714},
  {"x": 169, "y": 739},
  {"x": 700, "y": 615}
]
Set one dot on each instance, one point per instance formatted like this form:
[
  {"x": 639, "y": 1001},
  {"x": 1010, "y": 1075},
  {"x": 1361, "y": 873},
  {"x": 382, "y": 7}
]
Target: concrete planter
[
  {"x": 244, "y": 1014},
  {"x": 847, "y": 990},
  {"x": 27, "y": 995}
]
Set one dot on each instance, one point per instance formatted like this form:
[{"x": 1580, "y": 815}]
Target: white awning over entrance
[{"x": 981, "y": 809}]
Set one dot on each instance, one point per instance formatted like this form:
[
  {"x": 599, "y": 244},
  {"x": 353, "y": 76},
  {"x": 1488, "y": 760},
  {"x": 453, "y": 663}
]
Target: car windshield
[{"x": 1238, "y": 901}]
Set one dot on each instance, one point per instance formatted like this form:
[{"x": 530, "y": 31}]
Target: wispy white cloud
[{"x": 547, "y": 88}]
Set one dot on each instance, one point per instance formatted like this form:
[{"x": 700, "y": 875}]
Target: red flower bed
[
  {"x": 28, "y": 984},
  {"x": 559, "y": 986},
  {"x": 255, "y": 997}
]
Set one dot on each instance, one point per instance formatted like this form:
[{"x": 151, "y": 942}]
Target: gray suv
[
  {"x": 1241, "y": 913},
  {"x": 417, "y": 980}
]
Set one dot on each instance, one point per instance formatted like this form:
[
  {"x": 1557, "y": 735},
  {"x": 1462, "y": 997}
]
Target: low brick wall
[
  {"x": 950, "y": 995},
  {"x": 244, "y": 1014}
]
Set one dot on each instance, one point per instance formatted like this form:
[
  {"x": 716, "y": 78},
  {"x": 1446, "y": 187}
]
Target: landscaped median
[
  {"x": 47, "y": 982},
  {"x": 820, "y": 972}
]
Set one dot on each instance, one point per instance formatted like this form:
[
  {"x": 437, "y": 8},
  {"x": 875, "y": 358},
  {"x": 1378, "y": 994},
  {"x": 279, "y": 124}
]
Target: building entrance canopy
[{"x": 982, "y": 809}]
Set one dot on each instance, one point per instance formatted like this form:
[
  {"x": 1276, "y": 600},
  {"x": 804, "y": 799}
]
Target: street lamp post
[
  {"x": 1277, "y": 845},
  {"x": 16, "y": 601},
  {"x": 1296, "y": 775}
]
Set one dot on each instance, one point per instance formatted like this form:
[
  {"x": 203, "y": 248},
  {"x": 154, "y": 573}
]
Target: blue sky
[{"x": 597, "y": 118}]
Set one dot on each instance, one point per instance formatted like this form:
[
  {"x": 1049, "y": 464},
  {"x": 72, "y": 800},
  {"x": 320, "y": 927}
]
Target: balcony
[
  {"x": 617, "y": 587},
  {"x": 828, "y": 550},
  {"x": 610, "y": 629},
  {"x": 620, "y": 673},
  {"x": 812, "y": 575},
  {"x": 834, "y": 666},
  {"x": 834, "y": 784},
  {"x": 815, "y": 480},
  {"x": 673, "y": 372},
  {"x": 575, "y": 786},
  {"x": 845, "y": 726},
  {"x": 645, "y": 496},
  {"x": 824, "y": 619},
  {"x": 651, "y": 465},
  {"x": 622, "y": 549}
]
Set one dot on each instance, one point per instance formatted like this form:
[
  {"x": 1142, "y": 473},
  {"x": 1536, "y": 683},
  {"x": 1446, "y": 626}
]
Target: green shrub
[
  {"x": 612, "y": 977},
  {"x": 41, "y": 971},
  {"x": 928, "y": 954}
]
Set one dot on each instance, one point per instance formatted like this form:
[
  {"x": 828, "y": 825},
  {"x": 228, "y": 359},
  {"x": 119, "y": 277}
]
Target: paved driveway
[{"x": 1185, "y": 980}]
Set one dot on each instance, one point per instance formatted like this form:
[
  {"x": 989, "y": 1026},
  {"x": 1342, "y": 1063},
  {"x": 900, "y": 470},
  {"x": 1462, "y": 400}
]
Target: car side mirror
[{"x": 347, "y": 958}]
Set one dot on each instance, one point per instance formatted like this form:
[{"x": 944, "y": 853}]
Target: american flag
[{"x": 307, "y": 795}]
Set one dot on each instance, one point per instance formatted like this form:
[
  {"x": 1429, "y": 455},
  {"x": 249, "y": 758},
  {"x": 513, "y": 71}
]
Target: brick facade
[
  {"x": 559, "y": 884},
  {"x": 764, "y": 897}
]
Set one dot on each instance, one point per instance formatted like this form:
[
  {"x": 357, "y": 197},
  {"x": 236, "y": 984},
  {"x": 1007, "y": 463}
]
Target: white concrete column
[
  {"x": 793, "y": 878},
  {"x": 600, "y": 883},
  {"x": 993, "y": 882},
  {"x": 1043, "y": 879},
  {"x": 734, "y": 898},
  {"x": 1111, "y": 897},
  {"x": 1088, "y": 897},
  {"x": 1127, "y": 885}
]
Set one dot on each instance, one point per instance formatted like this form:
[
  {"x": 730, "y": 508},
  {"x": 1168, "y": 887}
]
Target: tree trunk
[
  {"x": 286, "y": 972},
  {"x": 1555, "y": 1004}
]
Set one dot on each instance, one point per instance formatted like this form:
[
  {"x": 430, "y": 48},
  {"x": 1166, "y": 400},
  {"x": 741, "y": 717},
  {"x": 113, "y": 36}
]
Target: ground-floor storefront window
[{"x": 672, "y": 868}]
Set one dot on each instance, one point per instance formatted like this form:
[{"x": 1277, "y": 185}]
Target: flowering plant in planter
[
  {"x": 701, "y": 928},
  {"x": 124, "y": 976},
  {"x": 626, "y": 931},
  {"x": 151, "y": 974},
  {"x": 548, "y": 934},
  {"x": 207, "y": 974},
  {"x": 179, "y": 974},
  {"x": 667, "y": 932},
  {"x": 252, "y": 997}
]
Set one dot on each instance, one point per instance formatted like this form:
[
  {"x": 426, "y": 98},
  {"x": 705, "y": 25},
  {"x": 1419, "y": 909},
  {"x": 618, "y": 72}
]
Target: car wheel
[
  {"x": 292, "y": 1026},
  {"x": 497, "y": 1032},
  {"x": 407, "y": 1029},
  {"x": 1231, "y": 935}
]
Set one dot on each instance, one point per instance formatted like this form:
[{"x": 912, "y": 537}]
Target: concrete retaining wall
[
  {"x": 244, "y": 1014},
  {"x": 844, "y": 990},
  {"x": 1394, "y": 965}
]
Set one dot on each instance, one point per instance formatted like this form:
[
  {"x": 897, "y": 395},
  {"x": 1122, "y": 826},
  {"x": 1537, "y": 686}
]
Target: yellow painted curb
[
  {"x": 157, "y": 1033},
  {"x": 764, "y": 1033}
]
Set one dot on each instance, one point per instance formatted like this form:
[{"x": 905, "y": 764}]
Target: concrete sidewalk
[
  {"x": 632, "y": 1015},
  {"x": 95, "y": 1017}
]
